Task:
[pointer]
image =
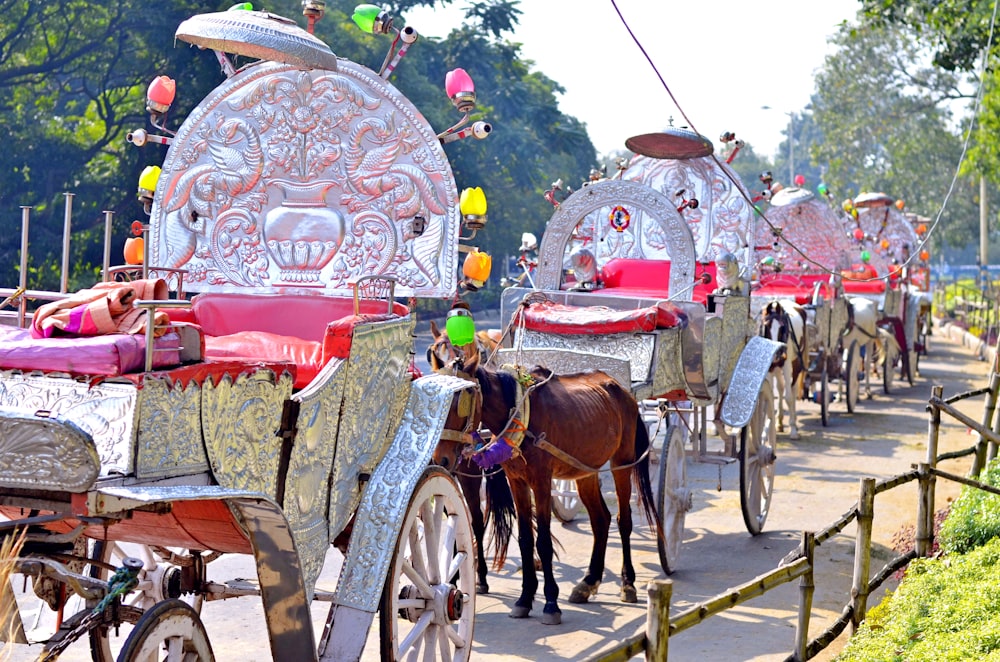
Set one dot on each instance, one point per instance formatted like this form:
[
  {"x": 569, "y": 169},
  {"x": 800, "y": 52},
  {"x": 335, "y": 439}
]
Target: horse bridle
[{"x": 469, "y": 399}]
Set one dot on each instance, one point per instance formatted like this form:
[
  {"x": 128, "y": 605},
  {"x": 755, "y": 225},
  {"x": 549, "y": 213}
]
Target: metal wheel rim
[
  {"x": 435, "y": 556},
  {"x": 673, "y": 499},
  {"x": 565, "y": 499},
  {"x": 139, "y": 600},
  {"x": 171, "y": 631},
  {"x": 757, "y": 442}
]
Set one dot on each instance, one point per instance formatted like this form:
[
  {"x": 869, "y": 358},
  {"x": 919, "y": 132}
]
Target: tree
[{"x": 883, "y": 116}]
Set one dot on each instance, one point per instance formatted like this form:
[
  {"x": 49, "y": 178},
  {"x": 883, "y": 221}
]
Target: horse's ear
[
  {"x": 435, "y": 331},
  {"x": 470, "y": 363}
]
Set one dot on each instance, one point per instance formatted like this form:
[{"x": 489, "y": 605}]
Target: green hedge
[
  {"x": 974, "y": 519},
  {"x": 946, "y": 609}
]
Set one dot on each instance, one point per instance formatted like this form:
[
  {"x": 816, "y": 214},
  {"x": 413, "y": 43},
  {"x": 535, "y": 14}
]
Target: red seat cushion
[
  {"x": 307, "y": 355},
  {"x": 651, "y": 278},
  {"x": 552, "y": 317}
]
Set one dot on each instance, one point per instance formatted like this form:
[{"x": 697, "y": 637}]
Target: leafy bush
[
  {"x": 946, "y": 609},
  {"x": 975, "y": 516}
]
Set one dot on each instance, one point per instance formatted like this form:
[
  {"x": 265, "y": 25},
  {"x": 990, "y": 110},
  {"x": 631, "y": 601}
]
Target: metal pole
[
  {"x": 67, "y": 230},
  {"x": 108, "y": 215},
  {"x": 984, "y": 235},
  {"x": 22, "y": 308},
  {"x": 791, "y": 149}
]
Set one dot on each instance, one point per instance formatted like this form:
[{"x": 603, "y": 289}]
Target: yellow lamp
[
  {"x": 476, "y": 269},
  {"x": 147, "y": 185},
  {"x": 473, "y": 205}
]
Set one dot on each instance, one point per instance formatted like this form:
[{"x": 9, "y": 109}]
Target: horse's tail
[
  {"x": 500, "y": 514},
  {"x": 640, "y": 476}
]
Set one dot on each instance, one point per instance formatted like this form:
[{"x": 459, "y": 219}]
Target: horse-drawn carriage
[
  {"x": 803, "y": 248},
  {"x": 644, "y": 278},
  {"x": 892, "y": 246},
  {"x": 275, "y": 414}
]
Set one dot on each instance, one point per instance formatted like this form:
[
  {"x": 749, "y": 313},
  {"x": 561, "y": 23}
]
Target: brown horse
[{"x": 574, "y": 425}]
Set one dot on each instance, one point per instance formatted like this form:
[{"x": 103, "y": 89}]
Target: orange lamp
[
  {"x": 925, "y": 255},
  {"x": 134, "y": 248},
  {"x": 477, "y": 267}
]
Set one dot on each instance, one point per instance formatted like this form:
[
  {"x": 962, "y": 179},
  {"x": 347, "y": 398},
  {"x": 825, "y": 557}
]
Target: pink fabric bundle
[{"x": 103, "y": 309}]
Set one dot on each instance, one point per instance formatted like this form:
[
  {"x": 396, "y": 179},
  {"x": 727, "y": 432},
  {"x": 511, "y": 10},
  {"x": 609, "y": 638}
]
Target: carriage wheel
[
  {"x": 565, "y": 499},
  {"x": 824, "y": 394},
  {"x": 907, "y": 368},
  {"x": 157, "y": 582},
  {"x": 429, "y": 602},
  {"x": 673, "y": 499},
  {"x": 170, "y": 631},
  {"x": 757, "y": 440},
  {"x": 851, "y": 375}
]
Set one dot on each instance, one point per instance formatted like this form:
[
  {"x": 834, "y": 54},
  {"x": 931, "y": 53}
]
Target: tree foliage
[{"x": 882, "y": 112}]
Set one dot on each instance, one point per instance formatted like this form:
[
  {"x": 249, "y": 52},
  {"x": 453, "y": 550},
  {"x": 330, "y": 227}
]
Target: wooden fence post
[
  {"x": 806, "y": 589},
  {"x": 988, "y": 411},
  {"x": 862, "y": 553},
  {"x": 925, "y": 510},
  {"x": 658, "y": 619}
]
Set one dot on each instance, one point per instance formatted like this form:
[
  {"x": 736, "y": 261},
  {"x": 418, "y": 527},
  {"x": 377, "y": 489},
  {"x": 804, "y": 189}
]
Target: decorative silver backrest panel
[
  {"x": 724, "y": 220},
  {"x": 886, "y": 223},
  {"x": 654, "y": 230},
  {"x": 284, "y": 177},
  {"x": 814, "y": 228}
]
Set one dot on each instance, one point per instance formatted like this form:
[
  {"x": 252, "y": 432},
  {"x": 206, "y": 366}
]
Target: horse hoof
[
  {"x": 520, "y": 612},
  {"x": 629, "y": 594},
  {"x": 582, "y": 592},
  {"x": 794, "y": 435},
  {"x": 482, "y": 589},
  {"x": 552, "y": 619}
]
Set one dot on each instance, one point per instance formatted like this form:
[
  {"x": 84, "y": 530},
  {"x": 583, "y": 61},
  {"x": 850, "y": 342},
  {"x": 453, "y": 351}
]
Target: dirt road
[{"x": 817, "y": 481}]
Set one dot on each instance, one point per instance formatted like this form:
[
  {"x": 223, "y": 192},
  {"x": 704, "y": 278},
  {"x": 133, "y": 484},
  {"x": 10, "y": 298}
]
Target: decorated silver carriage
[
  {"x": 276, "y": 413},
  {"x": 888, "y": 238},
  {"x": 803, "y": 250},
  {"x": 644, "y": 277}
]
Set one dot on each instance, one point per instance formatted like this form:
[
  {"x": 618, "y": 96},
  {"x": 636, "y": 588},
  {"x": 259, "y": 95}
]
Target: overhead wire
[{"x": 777, "y": 231}]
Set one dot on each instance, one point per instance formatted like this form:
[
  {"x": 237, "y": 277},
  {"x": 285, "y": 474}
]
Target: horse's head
[
  {"x": 467, "y": 405},
  {"x": 443, "y": 357},
  {"x": 774, "y": 322}
]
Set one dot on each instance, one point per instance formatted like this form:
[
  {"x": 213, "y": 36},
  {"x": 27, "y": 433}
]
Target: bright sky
[{"x": 722, "y": 59}]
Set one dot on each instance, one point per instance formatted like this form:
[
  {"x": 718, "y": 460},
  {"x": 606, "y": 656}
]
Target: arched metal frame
[{"x": 655, "y": 208}]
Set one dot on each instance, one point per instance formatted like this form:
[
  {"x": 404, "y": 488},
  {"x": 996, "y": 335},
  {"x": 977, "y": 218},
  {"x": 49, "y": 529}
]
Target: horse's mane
[{"x": 488, "y": 381}]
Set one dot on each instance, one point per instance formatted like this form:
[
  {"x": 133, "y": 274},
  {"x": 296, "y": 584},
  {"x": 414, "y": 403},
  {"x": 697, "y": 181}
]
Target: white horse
[
  {"x": 785, "y": 321},
  {"x": 863, "y": 330}
]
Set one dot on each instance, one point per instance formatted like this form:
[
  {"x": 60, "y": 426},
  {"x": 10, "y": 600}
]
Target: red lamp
[
  {"x": 160, "y": 95},
  {"x": 859, "y": 234}
]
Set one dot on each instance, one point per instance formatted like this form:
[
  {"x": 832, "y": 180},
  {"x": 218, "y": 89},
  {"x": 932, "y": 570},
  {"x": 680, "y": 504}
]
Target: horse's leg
[
  {"x": 869, "y": 354},
  {"x": 589, "y": 490},
  {"x": 788, "y": 395},
  {"x": 542, "y": 490},
  {"x": 780, "y": 382},
  {"x": 623, "y": 489},
  {"x": 526, "y": 543},
  {"x": 471, "y": 482}
]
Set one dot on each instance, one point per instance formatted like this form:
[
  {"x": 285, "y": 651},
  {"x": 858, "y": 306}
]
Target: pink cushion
[
  {"x": 651, "y": 278},
  {"x": 307, "y": 355},
  {"x": 107, "y": 355},
  {"x": 575, "y": 320},
  {"x": 864, "y": 287}
]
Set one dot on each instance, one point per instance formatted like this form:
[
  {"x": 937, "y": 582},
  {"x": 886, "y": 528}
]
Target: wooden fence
[{"x": 652, "y": 640}]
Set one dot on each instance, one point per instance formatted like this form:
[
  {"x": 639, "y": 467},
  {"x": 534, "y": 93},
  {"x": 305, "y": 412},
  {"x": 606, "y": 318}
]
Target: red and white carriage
[{"x": 276, "y": 413}]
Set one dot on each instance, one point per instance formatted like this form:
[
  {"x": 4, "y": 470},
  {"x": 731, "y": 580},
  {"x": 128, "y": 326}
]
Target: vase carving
[{"x": 303, "y": 233}]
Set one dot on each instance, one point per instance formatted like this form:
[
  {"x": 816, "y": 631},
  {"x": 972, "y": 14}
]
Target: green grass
[{"x": 945, "y": 609}]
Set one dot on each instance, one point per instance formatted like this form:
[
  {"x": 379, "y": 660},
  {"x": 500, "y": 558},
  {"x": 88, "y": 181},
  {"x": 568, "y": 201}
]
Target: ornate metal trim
[
  {"x": 381, "y": 512},
  {"x": 106, "y": 411},
  {"x": 43, "y": 452},
  {"x": 744, "y": 389},
  {"x": 169, "y": 437}
]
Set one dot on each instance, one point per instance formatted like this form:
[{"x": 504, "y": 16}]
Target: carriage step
[{"x": 716, "y": 459}]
